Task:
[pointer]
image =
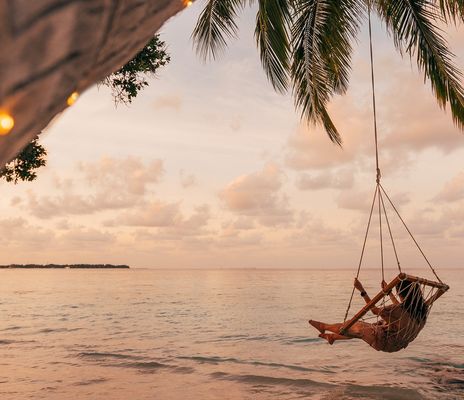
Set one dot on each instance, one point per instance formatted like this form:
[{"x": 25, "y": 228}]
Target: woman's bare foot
[
  {"x": 318, "y": 325},
  {"x": 328, "y": 336}
]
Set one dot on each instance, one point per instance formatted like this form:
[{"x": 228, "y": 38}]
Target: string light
[
  {"x": 72, "y": 98},
  {"x": 6, "y": 123},
  {"x": 187, "y": 3}
]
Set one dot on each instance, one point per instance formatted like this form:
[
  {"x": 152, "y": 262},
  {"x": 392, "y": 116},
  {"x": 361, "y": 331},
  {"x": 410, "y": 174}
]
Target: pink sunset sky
[{"x": 209, "y": 167}]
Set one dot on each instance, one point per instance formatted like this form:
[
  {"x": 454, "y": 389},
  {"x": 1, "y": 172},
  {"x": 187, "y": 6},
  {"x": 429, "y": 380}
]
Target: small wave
[
  {"x": 150, "y": 365},
  {"x": 456, "y": 382},
  {"x": 382, "y": 392},
  {"x": 446, "y": 376},
  {"x": 433, "y": 363},
  {"x": 153, "y": 366},
  {"x": 242, "y": 337},
  {"x": 309, "y": 386},
  {"x": 209, "y": 360},
  {"x": 217, "y": 360},
  {"x": 58, "y": 330},
  {"x": 13, "y": 328},
  {"x": 49, "y": 389},
  {"x": 185, "y": 370},
  {"x": 270, "y": 380},
  {"x": 134, "y": 362},
  {"x": 90, "y": 382},
  {"x": 302, "y": 340},
  {"x": 102, "y": 355}
]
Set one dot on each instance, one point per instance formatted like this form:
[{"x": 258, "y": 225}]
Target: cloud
[
  {"x": 239, "y": 240},
  {"x": 110, "y": 184},
  {"x": 130, "y": 174},
  {"x": 309, "y": 148},
  {"x": 19, "y": 232},
  {"x": 187, "y": 180},
  {"x": 32, "y": 243},
  {"x": 312, "y": 231},
  {"x": 173, "y": 102},
  {"x": 239, "y": 224},
  {"x": 16, "y": 200},
  {"x": 438, "y": 222},
  {"x": 154, "y": 214},
  {"x": 87, "y": 237},
  {"x": 343, "y": 179},
  {"x": 409, "y": 121},
  {"x": 355, "y": 200},
  {"x": 167, "y": 217},
  {"x": 258, "y": 195},
  {"x": 415, "y": 121},
  {"x": 362, "y": 200},
  {"x": 235, "y": 123},
  {"x": 453, "y": 190}
]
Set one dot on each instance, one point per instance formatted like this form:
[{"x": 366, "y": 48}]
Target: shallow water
[{"x": 211, "y": 334}]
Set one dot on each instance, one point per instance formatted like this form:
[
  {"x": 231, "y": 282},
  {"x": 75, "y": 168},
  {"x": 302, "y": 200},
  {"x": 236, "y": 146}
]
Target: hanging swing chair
[
  {"x": 387, "y": 322},
  {"x": 394, "y": 320}
]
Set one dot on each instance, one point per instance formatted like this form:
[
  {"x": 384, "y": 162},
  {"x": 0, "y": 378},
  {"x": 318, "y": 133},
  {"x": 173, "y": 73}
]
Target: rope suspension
[
  {"x": 373, "y": 93},
  {"x": 390, "y": 233},
  {"x": 410, "y": 234},
  {"x": 380, "y": 192},
  {"x": 388, "y": 321},
  {"x": 362, "y": 252}
]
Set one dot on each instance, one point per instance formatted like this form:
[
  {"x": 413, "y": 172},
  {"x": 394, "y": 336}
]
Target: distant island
[{"x": 63, "y": 266}]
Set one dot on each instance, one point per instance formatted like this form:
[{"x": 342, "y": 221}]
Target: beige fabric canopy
[{"x": 51, "y": 48}]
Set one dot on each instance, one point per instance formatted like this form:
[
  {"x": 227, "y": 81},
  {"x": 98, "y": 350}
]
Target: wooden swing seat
[{"x": 442, "y": 288}]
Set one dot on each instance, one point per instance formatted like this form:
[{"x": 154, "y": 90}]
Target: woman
[{"x": 398, "y": 325}]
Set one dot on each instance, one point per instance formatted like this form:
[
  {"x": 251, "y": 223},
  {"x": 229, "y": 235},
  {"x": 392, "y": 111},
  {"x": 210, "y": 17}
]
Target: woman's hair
[{"x": 413, "y": 301}]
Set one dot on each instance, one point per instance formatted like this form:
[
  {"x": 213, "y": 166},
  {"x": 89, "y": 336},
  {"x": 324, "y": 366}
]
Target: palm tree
[{"x": 307, "y": 45}]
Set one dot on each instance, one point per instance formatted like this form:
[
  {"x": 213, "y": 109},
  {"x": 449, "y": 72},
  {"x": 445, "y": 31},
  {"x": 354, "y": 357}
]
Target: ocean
[{"x": 212, "y": 334}]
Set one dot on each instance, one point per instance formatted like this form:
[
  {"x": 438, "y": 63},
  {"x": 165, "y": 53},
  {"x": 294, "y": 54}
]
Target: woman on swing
[{"x": 399, "y": 323}]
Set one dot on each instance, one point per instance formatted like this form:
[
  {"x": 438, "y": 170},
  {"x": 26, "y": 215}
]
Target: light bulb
[
  {"x": 6, "y": 123},
  {"x": 72, "y": 98}
]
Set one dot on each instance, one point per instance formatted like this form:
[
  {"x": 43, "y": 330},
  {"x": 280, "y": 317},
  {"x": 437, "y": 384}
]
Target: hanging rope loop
[
  {"x": 374, "y": 108},
  {"x": 378, "y": 195}
]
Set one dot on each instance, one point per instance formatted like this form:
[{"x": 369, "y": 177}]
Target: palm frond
[
  {"x": 215, "y": 24},
  {"x": 413, "y": 24},
  {"x": 272, "y": 38},
  {"x": 321, "y": 38},
  {"x": 452, "y": 10}
]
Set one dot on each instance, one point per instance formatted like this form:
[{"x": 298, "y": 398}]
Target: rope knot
[{"x": 379, "y": 175}]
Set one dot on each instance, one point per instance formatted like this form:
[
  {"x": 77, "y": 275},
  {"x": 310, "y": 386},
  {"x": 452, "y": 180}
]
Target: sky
[{"x": 210, "y": 168}]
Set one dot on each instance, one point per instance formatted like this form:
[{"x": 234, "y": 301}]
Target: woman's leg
[
  {"x": 332, "y": 337},
  {"x": 322, "y": 327},
  {"x": 359, "y": 330}
]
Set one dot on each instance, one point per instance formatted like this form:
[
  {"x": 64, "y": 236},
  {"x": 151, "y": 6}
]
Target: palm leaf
[
  {"x": 215, "y": 24},
  {"x": 413, "y": 24},
  {"x": 321, "y": 37},
  {"x": 452, "y": 10},
  {"x": 272, "y": 21}
]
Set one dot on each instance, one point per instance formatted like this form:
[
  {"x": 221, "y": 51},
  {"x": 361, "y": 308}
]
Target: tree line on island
[{"x": 63, "y": 266}]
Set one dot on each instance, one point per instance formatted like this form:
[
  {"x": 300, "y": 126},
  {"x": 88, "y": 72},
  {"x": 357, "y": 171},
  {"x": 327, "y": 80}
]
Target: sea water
[{"x": 211, "y": 334}]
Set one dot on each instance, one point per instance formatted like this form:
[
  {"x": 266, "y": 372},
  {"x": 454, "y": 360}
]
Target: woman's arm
[{"x": 358, "y": 285}]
